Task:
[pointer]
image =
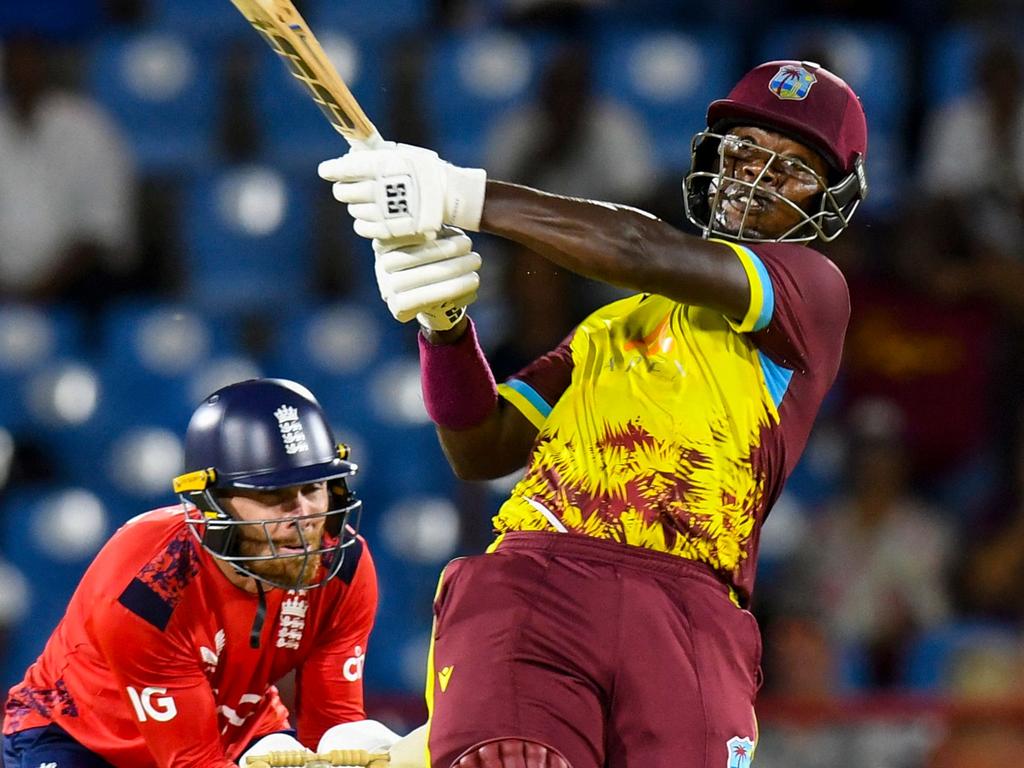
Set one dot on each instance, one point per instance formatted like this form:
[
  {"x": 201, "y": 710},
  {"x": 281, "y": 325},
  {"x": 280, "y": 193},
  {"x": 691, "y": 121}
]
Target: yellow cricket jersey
[{"x": 671, "y": 427}]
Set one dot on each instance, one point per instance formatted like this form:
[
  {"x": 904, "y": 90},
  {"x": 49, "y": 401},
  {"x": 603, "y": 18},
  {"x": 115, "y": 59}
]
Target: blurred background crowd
[{"x": 163, "y": 232}]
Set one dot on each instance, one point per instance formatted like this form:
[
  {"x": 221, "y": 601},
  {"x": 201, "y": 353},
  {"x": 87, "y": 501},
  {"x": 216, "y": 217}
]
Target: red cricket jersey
[{"x": 152, "y": 665}]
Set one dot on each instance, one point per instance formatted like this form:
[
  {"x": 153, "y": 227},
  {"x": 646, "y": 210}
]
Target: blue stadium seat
[
  {"x": 161, "y": 91},
  {"x": 297, "y": 135},
  {"x": 933, "y": 658},
  {"x": 370, "y": 19},
  {"x": 248, "y": 239},
  {"x": 50, "y": 535},
  {"x": 31, "y": 337},
  {"x": 199, "y": 20},
  {"x": 952, "y": 57},
  {"x": 149, "y": 353},
  {"x": 335, "y": 342},
  {"x": 138, "y": 466},
  {"x": 472, "y": 81},
  {"x": 887, "y": 171},
  {"x": 157, "y": 362},
  {"x": 668, "y": 78},
  {"x": 53, "y": 19},
  {"x": 73, "y": 416},
  {"x": 872, "y": 58}
]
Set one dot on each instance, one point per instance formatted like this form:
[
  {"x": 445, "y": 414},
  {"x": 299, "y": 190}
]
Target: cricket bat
[{"x": 287, "y": 33}]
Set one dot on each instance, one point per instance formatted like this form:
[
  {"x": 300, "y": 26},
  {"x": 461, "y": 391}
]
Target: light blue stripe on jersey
[
  {"x": 776, "y": 377},
  {"x": 531, "y": 396},
  {"x": 768, "y": 292}
]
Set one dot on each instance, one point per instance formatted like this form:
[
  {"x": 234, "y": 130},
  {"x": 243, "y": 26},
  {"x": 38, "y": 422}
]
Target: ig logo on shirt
[{"x": 161, "y": 709}]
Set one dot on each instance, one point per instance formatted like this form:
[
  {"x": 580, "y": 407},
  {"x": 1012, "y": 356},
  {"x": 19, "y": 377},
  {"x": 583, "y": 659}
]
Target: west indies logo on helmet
[{"x": 806, "y": 103}]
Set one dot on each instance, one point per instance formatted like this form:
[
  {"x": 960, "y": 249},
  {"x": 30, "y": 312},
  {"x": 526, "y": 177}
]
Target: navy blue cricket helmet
[{"x": 265, "y": 434}]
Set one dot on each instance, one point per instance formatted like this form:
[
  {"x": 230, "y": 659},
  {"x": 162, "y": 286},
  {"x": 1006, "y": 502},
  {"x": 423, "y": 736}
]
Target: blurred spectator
[
  {"x": 972, "y": 166},
  {"x": 571, "y": 142},
  {"x": 917, "y": 340},
  {"x": 875, "y": 561},
  {"x": 66, "y": 188},
  {"x": 991, "y": 582},
  {"x": 799, "y": 659},
  {"x": 978, "y": 745},
  {"x": 973, "y": 152}
]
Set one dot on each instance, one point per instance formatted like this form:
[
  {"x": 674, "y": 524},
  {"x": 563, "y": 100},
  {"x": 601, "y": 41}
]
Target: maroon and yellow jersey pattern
[
  {"x": 668, "y": 426},
  {"x": 152, "y": 663}
]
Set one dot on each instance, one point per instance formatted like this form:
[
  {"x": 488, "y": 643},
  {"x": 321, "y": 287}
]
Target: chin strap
[{"x": 261, "y": 615}]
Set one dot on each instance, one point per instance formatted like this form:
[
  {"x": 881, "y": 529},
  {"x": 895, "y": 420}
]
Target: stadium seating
[
  {"x": 368, "y": 19},
  {"x": 668, "y": 78},
  {"x": 49, "y": 534},
  {"x": 952, "y": 55},
  {"x": 874, "y": 59},
  {"x": 473, "y": 80},
  {"x": 297, "y": 136},
  {"x": 941, "y": 659},
  {"x": 31, "y": 338},
  {"x": 247, "y": 233},
  {"x": 161, "y": 89},
  {"x": 198, "y": 20}
]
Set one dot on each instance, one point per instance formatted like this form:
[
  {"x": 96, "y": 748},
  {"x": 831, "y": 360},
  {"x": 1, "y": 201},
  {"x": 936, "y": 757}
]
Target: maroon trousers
[{"x": 613, "y": 655}]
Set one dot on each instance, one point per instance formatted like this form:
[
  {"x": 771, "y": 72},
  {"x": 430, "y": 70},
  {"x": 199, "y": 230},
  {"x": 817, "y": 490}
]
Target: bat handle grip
[{"x": 373, "y": 141}]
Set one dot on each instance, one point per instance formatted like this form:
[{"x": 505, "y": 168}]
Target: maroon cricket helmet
[
  {"x": 803, "y": 100},
  {"x": 806, "y": 102}
]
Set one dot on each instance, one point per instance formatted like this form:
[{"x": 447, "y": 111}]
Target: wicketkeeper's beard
[{"x": 299, "y": 569}]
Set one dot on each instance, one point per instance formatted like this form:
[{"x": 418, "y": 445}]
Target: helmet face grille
[
  {"x": 293, "y": 561},
  {"x": 707, "y": 189}
]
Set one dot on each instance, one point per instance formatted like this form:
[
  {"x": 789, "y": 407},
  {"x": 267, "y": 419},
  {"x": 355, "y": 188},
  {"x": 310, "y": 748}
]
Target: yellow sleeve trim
[
  {"x": 759, "y": 313},
  {"x": 522, "y": 404}
]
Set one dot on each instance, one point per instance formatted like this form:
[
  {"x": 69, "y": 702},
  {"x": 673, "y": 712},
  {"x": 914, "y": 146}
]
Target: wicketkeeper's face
[{"x": 288, "y": 523}]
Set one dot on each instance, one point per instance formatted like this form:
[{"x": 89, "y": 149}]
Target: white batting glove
[
  {"x": 371, "y": 735},
  {"x": 431, "y": 280},
  {"x": 405, "y": 190},
  {"x": 275, "y": 742}
]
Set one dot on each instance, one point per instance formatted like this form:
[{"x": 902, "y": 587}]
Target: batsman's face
[
  {"x": 762, "y": 170},
  {"x": 282, "y": 526}
]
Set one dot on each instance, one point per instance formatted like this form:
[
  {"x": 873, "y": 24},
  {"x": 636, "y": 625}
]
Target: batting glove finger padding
[
  {"x": 403, "y": 253},
  {"x": 430, "y": 280},
  {"x": 435, "y": 273},
  {"x": 455, "y": 292},
  {"x": 371, "y": 735}
]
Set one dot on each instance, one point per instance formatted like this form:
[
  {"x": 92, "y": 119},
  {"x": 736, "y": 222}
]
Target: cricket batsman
[{"x": 608, "y": 624}]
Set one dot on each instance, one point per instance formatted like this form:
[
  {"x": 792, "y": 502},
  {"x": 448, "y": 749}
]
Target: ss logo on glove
[{"x": 397, "y": 197}]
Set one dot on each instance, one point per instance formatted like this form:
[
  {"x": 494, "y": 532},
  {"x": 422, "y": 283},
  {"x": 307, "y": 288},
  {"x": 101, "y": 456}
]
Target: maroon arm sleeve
[
  {"x": 810, "y": 313},
  {"x": 535, "y": 389}
]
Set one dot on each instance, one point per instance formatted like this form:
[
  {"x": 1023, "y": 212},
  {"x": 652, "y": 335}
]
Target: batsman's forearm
[{"x": 617, "y": 245}]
